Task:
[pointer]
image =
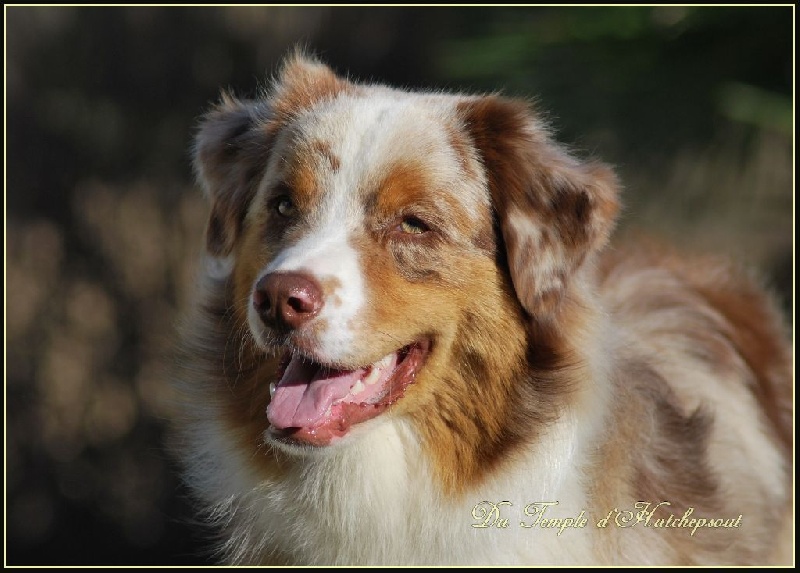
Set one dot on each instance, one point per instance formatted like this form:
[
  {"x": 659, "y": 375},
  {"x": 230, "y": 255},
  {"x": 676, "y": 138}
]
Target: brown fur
[
  {"x": 752, "y": 334},
  {"x": 575, "y": 204},
  {"x": 304, "y": 83}
]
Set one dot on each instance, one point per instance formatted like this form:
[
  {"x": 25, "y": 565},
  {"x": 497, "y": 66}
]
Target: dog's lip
[{"x": 343, "y": 415}]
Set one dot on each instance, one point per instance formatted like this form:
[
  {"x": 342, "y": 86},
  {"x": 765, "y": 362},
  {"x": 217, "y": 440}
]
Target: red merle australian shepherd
[{"x": 408, "y": 346}]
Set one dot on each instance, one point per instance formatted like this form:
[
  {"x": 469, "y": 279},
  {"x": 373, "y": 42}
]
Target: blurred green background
[{"x": 103, "y": 223}]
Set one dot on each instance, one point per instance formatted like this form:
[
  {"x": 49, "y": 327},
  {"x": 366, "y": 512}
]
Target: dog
[{"x": 409, "y": 346}]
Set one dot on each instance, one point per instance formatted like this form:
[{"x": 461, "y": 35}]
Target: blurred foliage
[{"x": 103, "y": 225}]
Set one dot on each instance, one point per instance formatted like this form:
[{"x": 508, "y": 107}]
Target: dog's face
[{"x": 372, "y": 230}]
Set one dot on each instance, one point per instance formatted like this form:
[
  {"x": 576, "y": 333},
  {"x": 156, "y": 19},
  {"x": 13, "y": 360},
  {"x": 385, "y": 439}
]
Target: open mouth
[{"x": 315, "y": 404}]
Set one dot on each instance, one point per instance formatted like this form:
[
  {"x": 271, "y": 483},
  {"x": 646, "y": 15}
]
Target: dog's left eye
[
  {"x": 284, "y": 207},
  {"x": 413, "y": 226}
]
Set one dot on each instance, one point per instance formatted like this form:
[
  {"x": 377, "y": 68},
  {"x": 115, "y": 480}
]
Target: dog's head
[{"x": 372, "y": 231}]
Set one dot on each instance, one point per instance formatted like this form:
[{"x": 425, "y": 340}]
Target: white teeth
[
  {"x": 373, "y": 376},
  {"x": 357, "y": 388},
  {"x": 272, "y": 389},
  {"x": 377, "y": 369}
]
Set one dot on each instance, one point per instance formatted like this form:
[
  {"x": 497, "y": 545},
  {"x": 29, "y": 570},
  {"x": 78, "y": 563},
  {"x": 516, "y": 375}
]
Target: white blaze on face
[{"x": 326, "y": 256}]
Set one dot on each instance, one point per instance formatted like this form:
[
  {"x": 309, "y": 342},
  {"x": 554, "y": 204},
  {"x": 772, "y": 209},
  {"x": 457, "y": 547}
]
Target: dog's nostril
[{"x": 299, "y": 304}]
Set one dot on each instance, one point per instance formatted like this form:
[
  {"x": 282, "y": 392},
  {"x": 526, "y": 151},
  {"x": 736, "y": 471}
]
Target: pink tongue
[{"x": 306, "y": 392}]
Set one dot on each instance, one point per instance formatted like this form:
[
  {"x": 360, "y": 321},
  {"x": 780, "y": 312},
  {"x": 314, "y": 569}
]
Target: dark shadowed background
[{"x": 103, "y": 222}]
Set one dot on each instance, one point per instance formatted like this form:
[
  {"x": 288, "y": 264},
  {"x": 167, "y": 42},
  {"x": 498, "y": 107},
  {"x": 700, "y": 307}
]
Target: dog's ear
[
  {"x": 235, "y": 139},
  {"x": 229, "y": 153},
  {"x": 553, "y": 210}
]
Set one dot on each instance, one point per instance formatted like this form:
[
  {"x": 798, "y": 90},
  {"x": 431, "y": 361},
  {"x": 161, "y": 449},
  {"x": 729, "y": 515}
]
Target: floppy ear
[
  {"x": 553, "y": 210},
  {"x": 230, "y": 151},
  {"x": 235, "y": 139}
]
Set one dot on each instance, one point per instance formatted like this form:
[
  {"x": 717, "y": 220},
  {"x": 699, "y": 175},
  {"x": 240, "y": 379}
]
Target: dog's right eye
[
  {"x": 413, "y": 226},
  {"x": 284, "y": 206}
]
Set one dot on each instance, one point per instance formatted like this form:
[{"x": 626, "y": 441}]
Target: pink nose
[{"x": 287, "y": 300}]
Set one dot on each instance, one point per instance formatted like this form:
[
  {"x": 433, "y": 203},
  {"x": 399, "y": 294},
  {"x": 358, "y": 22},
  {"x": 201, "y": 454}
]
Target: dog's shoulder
[{"x": 703, "y": 364}]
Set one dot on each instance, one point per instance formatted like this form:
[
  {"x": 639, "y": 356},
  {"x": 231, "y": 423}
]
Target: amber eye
[
  {"x": 413, "y": 226},
  {"x": 284, "y": 207}
]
